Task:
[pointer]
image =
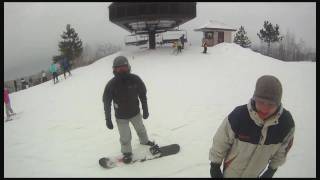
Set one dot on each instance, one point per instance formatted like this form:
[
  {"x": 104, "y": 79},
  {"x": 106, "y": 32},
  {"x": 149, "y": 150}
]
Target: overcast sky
[{"x": 32, "y": 30}]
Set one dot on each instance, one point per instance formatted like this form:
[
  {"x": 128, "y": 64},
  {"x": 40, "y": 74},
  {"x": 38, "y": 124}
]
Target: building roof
[{"x": 215, "y": 25}]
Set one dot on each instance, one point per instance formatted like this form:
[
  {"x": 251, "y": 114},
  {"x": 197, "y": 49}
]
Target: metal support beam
[{"x": 152, "y": 39}]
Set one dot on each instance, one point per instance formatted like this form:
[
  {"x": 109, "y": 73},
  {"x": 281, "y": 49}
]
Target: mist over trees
[
  {"x": 287, "y": 49},
  {"x": 269, "y": 34},
  {"x": 283, "y": 47},
  {"x": 94, "y": 52}
]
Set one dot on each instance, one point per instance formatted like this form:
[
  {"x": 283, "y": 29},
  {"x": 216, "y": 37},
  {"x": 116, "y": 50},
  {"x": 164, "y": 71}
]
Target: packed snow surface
[{"x": 60, "y": 129}]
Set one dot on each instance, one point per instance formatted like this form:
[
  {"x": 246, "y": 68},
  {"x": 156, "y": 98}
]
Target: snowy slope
[{"x": 61, "y": 129}]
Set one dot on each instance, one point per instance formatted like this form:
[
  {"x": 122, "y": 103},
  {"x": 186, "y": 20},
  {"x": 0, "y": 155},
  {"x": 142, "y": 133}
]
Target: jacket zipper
[{"x": 261, "y": 137}]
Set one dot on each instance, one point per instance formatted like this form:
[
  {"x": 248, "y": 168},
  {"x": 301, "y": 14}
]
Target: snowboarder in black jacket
[{"x": 124, "y": 89}]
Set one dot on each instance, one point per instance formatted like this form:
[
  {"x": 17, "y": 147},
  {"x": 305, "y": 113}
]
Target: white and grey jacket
[{"x": 247, "y": 145}]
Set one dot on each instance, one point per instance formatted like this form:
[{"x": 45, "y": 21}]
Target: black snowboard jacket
[{"x": 124, "y": 92}]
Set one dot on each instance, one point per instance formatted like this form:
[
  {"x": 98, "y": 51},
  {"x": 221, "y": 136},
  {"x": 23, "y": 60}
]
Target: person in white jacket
[{"x": 255, "y": 136}]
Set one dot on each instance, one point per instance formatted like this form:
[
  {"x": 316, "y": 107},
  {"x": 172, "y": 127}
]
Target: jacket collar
[{"x": 273, "y": 120}]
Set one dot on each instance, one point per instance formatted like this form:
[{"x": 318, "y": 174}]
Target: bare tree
[{"x": 287, "y": 49}]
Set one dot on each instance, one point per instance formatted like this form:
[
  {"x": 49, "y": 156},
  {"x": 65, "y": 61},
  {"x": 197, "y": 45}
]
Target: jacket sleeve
[
  {"x": 222, "y": 142},
  {"x": 280, "y": 156},
  {"x": 142, "y": 90},
  {"x": 107, "y": 98}
]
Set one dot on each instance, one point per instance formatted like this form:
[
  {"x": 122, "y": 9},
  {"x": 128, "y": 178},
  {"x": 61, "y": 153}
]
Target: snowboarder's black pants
[
  {"x": 205, "y": 50},
  {"x": 55, "y": 77}
]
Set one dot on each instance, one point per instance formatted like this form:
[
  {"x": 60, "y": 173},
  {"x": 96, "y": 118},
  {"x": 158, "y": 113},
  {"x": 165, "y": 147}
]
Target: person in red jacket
[{"x": 6, "y": 100}]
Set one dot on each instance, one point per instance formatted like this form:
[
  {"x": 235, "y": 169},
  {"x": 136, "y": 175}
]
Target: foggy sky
[{"x": 32, "y": 30}]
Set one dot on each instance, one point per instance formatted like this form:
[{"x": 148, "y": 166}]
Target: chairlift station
[{"x": 150, "y": 18}]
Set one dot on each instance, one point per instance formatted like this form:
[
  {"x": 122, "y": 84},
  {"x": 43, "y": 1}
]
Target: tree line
[{"x": 273, "y": 44}]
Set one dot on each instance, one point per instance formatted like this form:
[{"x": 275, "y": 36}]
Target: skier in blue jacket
[{"x": 65, "y": 67}]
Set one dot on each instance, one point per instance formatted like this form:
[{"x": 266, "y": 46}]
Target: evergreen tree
[
  {"x": 241, "y": 38},
  {"x": 269, "y": 34},
  {"x": 71, "y": 45}
]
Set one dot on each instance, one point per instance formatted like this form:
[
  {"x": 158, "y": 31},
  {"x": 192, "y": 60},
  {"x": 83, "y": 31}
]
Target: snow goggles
[{"x": 121, "y": 69}]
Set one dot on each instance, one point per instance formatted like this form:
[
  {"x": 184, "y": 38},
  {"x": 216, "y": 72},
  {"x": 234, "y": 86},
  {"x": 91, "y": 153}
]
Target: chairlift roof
[{"x": 142, "y": 17}]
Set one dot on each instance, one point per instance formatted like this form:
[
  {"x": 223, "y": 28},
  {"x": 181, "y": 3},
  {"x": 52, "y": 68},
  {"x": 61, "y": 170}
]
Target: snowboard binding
[{"x": 155, "y": 149}]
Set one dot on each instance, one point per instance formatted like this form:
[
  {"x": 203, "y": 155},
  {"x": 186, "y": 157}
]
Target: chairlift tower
[{"x": 151, "y": 17}]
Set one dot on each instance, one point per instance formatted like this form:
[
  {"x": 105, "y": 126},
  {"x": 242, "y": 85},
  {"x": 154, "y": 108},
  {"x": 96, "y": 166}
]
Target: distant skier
[
  {"x": 23, "y": 83},
  {"x": 54, "y": 70},
  {"x": 30, "y": 82},
  {"x": 65, "y": 66},
  {"x": 44, "y": 76},
  {"x": 182, "y": 41},
  {"x": 179, "y": 46},
  {"x": 175, "y": 48},
  {"x": 254, "y": 136},
  {"x": 15, "y": 85},
  {"x": 204, "y": 45},
  {"x": 6, "y": 100},
  {"x": 124, "y": 89}
]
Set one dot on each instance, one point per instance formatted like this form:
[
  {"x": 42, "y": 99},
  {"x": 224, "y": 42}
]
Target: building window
[{"x": 209, "y": 35}]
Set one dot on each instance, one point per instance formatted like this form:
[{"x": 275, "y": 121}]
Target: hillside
[{"x": 60, "y": 130}]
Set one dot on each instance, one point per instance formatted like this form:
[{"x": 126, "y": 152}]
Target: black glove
[
  {"x": 109, "y": 124},
  {"x": 215, "y": 170},
  {"x": 268, "y": 173},
  {"x": 145, "y": 114},
  {"x": 108, "y": 120}
]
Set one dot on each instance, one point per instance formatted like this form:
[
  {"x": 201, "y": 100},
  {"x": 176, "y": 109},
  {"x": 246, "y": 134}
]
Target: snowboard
[{"x": 154, "y": 153}]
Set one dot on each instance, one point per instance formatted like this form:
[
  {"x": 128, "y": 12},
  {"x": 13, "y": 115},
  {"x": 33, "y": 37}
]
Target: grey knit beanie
[
  {"x": 120, "y": 61},
  {"x": 269, "y": 88}
]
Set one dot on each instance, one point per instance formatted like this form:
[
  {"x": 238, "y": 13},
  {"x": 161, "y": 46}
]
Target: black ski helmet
[{"x": 121, "y": 61}]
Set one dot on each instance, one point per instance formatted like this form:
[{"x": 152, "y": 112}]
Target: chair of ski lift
[
  {"x": 178, "y": 35},
  {"x": 136, "y": 42}
]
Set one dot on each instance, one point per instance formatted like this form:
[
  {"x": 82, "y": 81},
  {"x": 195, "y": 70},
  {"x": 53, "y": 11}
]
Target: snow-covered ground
[{"x": 60, "y": 130}]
